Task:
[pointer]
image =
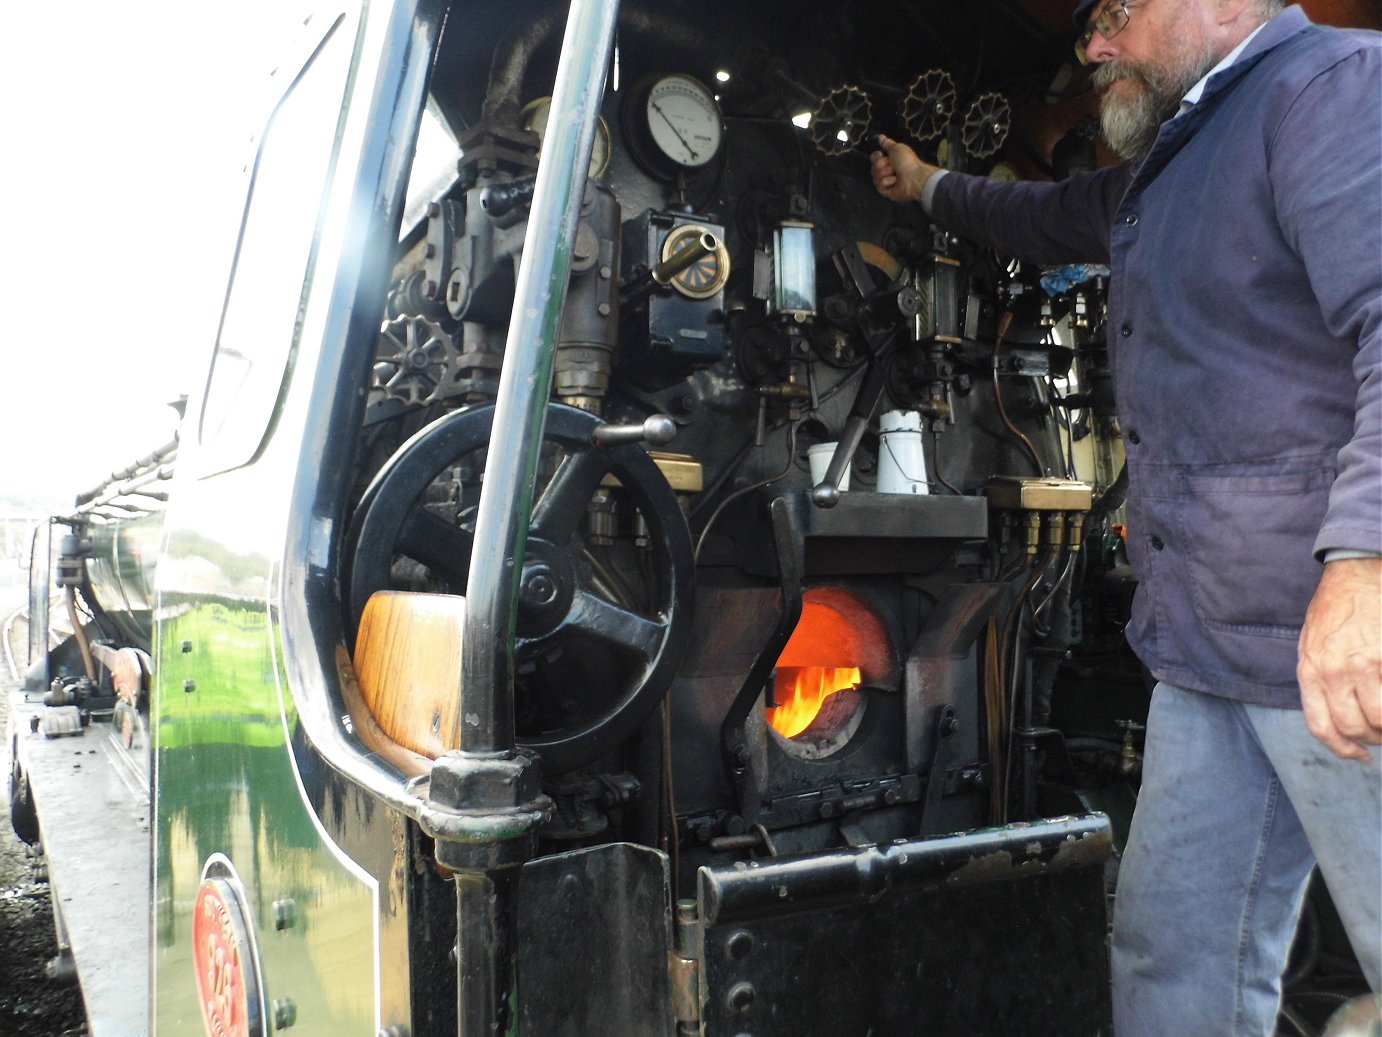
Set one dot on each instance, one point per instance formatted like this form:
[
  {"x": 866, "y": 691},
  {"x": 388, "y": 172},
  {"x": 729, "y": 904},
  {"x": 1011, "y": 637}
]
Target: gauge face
[
  {"x": 683, "y": 121},
  {"x": 534, "y": 117}
]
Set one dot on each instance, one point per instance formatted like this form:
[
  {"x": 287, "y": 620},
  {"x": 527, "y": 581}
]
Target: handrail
[{"x": 485, "y": 723}]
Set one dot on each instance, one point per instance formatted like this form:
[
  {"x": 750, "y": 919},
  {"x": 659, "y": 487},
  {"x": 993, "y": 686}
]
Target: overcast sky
[{"x": 124, "y": 130}]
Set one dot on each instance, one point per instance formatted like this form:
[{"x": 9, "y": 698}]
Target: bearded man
[{"x": 1244, "y": 232}]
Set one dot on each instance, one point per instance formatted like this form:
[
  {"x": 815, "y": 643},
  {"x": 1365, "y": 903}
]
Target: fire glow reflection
[{"x": 801, "y": 691}]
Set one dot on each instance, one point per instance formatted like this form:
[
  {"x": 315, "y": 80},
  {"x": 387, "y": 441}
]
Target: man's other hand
[{"x": 1340, "y": 668}]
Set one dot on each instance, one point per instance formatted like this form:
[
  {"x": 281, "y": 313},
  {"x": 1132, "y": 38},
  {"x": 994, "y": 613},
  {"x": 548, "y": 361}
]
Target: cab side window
[{"x": 274, "y": 256}]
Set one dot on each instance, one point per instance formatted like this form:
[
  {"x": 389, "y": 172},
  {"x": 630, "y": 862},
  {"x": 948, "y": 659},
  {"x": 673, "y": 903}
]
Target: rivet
[
  {"x": 740, "y": 944},
  {"x": 285, "y": 913},
  {"x": 285, "y": 1013},
  {"x": 741, "y": 997}
]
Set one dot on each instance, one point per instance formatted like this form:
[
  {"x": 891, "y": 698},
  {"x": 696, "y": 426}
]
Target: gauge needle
[{"x": 684, "y": 142}]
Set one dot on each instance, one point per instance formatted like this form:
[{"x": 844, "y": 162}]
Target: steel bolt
[
  {"x": 285, "y": 913},
  {"x": 543, "y": 588},
  {"x": 285, "y": 1013},
  {"x": 189, "y": 686},
  {"x": 739, "y": 944},
  {"x": 186, "y": 647},
  {"x": 741, "y": 997}
]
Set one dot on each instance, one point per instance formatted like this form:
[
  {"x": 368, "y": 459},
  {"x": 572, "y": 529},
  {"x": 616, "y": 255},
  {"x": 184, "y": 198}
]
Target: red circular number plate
[{"x": 218, "y": 954}]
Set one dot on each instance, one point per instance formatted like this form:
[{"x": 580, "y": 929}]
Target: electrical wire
[
  {"x": 1004, "y": 323},
  {"x": 1064, "y": 419},
  {"x": 671, "y": 843},
  {"x": 714, "y": 515},
  {"x": 1009, "y": 668},
  {"x": 936, "y": 464}
]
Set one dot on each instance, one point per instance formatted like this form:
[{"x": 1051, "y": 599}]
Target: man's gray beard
[{"x": 1131, "y": 123}]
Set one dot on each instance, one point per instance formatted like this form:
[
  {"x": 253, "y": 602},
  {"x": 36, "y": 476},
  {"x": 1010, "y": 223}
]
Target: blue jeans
[{"x": 1238, "y": 802}]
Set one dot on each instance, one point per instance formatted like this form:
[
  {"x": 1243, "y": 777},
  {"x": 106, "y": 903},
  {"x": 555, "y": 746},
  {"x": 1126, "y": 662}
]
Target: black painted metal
[
  {"x": 594, "y": 938},
  {"x": 734, "y": 741},
  {"x": 834, "y": 878},
  {"x": 998, "y": 931}
]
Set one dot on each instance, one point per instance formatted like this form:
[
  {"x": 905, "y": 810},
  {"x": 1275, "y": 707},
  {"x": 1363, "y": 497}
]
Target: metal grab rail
[
  {"x": 506, "y": 500},
  {"x": 485, "y": 799}
]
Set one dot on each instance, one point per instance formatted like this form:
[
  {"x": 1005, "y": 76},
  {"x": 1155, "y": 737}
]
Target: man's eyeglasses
[{"x": 1112, "y": 20}]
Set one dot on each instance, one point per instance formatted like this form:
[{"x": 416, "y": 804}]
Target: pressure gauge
[
  {"x": 534, "y": 117},
  {"x": 674, "y": 125}
]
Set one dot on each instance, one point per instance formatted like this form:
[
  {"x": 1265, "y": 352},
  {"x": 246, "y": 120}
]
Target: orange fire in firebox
[
  {"x": 801, "y": 691},
  {"x": 839, "y": 638}
]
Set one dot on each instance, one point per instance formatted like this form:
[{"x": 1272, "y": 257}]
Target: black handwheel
[{"x": 593, "y": 655}]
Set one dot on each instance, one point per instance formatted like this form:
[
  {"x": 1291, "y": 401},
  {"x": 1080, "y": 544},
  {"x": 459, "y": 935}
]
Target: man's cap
[{"x": 1083, "y": 10}]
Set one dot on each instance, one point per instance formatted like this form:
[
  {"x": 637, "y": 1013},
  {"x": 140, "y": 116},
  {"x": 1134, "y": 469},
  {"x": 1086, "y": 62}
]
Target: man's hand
[
  {"x": 897, "y": 172},
  {"x": 1340, "y": 668}
]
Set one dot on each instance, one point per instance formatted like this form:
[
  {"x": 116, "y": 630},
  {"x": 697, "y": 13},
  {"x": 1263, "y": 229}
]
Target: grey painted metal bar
[{"x": 485, "y": 720}]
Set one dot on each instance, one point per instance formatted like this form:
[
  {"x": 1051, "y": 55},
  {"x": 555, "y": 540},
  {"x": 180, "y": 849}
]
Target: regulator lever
[
  {"x": 826, "y": 493},
  {"x": 660, "y": 276},
  {"x": 658, "y": 430}
]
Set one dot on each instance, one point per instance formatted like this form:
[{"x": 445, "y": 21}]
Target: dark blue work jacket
[{"x": 1244, "y": 326}]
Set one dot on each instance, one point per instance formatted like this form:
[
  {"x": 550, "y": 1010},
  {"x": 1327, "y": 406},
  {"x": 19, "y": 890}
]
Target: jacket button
[
  {"x": 1158, "y": 543},
  {"x": 1126, "y": 330},
  {"x": 1133, "y": 437},
  {"x": 1130, "y": 220}
]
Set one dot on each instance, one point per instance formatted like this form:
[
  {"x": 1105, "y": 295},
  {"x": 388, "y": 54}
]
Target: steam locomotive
[{"x": 620, "y": 575}]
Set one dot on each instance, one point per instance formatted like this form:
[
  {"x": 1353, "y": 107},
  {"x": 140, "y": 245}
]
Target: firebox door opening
[{"x": 840, "y": 645}]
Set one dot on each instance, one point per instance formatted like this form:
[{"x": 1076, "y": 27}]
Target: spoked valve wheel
[{"x": 595, "y": 649}]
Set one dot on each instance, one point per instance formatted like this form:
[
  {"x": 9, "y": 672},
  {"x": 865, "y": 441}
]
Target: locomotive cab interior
[
  {"x": 672, "y": 589},
  {"x": 721, "y": 655},
  {"x": 797, "y": 698}
]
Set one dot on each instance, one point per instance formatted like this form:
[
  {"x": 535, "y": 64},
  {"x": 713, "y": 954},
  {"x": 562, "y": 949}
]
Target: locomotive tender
[{"x": 620, "y": 575}]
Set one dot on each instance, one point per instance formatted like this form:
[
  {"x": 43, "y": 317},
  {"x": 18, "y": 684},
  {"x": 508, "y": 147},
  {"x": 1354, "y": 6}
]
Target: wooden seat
[{"x": 408, "y": 662}]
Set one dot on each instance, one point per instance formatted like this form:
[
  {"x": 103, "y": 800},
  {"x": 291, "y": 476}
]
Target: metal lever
[
  {"x": 827, "y": 492},
  {"x": 657, "y": 430},
  {"x": 704, "y": 244}
]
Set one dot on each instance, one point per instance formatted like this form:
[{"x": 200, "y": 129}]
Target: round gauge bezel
[
  {"x": 705, "y": 278},
  {"x": 602, "y": 149},
  {"x": 643, "y": 143}
]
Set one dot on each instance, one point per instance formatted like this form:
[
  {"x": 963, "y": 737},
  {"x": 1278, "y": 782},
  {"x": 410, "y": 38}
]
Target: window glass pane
[
  {"x": 268, "y": 285},
  {"x": 434, "y": 167}
]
